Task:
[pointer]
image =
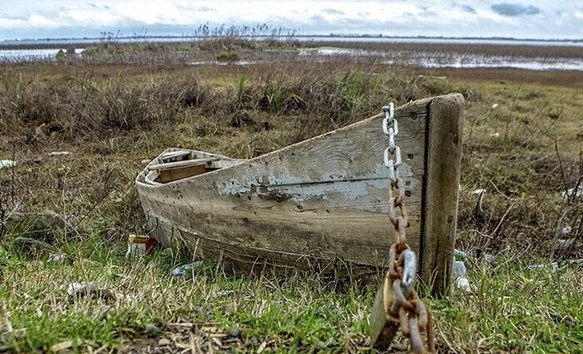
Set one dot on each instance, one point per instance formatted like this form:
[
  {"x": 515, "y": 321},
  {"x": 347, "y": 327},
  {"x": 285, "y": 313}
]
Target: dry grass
[{"x": 522, "y": 142}]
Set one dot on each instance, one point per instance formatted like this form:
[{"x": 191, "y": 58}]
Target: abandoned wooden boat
[{"x": 314, "y": 205}]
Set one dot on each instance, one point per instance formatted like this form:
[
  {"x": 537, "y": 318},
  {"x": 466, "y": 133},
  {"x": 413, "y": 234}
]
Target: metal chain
[{"x": 414, "y": 317}]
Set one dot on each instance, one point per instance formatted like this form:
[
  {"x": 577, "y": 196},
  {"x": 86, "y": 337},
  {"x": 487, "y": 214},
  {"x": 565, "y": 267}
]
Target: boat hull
[{"x": 320, "y": 205}]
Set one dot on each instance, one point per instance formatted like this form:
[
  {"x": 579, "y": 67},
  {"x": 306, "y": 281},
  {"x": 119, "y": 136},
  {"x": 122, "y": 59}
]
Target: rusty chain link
[{"x": 413, "y": 316}]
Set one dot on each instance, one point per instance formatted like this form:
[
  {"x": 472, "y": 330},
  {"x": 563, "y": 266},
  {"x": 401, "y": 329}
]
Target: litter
[
  {"x": 7, "y": 164},
  {"x": 185, "y": 271},
  {"x": 574, "y": 193},
  {"x": 554, "y": 266},
  {"x": 139, "y": 245},
  {"x": 78, "y": 290},
  {"x": 461, "y": 254},
  {"x": 461, "y": 281},
  {"x": 57, "y": 257},
  {"x": 58, "y": 153},
  {"x": 479, "y": 191}
]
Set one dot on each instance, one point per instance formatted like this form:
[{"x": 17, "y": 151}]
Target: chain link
[
  {"x": 414, "y": 317},
  {"x": 391, "y": 128}
]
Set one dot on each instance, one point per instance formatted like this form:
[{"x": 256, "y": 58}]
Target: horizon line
[{"x": 111, "y": 36}]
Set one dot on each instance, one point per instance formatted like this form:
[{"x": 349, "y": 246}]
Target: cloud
[
  {"x": 512, "y": 10},
  {"x": 333, "y": 12},
  {"x": 468, "y": 9},
  {"x": 457, "y": 18}
]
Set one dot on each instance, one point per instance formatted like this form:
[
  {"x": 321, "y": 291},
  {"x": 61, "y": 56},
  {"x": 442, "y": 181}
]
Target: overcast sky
[{"x": 536, "y": 19}]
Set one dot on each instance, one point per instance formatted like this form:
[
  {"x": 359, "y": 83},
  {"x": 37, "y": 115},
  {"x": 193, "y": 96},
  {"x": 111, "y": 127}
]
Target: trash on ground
[
  {"x": 185, "y": 271},
  {"x": 79, "y": 290},
  {"x": 479, "y": 191},
  {"x": 58, "y": 153},
  {"x": 139, "y": 245},
  {"x": 554, "y": 266},
  {"x": 461, "y": 254},
  {"x": 57, "y": 257},
  {"x": 7, "y": 164},
  {"x": 574, "y": 193},
  {"x": 461, "y": 279}
]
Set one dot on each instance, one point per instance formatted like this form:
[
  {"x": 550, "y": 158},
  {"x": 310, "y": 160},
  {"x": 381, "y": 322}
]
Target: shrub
[{"x": 229, "y": 56}]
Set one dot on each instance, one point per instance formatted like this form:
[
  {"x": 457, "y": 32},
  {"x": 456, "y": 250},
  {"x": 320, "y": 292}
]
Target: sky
[{"x": 534, "y": 19}]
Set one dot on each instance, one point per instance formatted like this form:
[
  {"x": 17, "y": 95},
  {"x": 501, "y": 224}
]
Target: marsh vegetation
[{"x": 120, "y": 105}]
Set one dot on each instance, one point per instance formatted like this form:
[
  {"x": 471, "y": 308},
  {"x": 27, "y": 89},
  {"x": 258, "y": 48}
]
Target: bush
[{"x": 229, "y": 56}]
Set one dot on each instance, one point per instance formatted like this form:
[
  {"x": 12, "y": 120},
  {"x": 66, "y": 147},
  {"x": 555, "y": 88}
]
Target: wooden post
[{"x": 440, "y": 202}]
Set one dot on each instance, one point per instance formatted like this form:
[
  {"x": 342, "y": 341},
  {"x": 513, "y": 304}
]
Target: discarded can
[{"x": 139, "y": 245}]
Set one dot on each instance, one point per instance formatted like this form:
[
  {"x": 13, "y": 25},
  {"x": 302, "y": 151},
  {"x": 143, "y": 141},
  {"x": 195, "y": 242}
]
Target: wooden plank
[
  {"x": 179, "y": 164},
  {"x": 440, "y": 206},
  {"x": 180, "y": 173}
]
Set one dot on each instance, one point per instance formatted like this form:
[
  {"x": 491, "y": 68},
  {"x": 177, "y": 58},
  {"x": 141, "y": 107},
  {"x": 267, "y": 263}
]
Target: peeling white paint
[{"x": 330, "y": 185}]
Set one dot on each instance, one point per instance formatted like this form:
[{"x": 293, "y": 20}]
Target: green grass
[
  {"x": 524, "y": 151},
  {"x": 511, "y": 309}
]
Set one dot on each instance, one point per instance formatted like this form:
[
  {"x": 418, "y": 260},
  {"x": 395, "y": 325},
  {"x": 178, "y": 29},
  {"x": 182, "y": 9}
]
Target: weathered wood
[
  {"x": 179, "y": 164},
  {"x": 175, "y": 174},
  {"x": 317, "y": 202},
  {"x": 444, "y": 146}
]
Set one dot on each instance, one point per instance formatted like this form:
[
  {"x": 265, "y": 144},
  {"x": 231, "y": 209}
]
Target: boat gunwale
[{"x": 143, "y": 173}]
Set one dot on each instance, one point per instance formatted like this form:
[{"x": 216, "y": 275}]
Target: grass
[
  {"x": 512, "y": 309},
  {"x": 522, "y": 142}
]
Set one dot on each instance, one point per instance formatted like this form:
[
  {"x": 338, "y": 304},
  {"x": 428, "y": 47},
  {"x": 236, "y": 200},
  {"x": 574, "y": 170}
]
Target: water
[
  {"x": 452, "y": 60},
  {"x": 32, "y": 54},
  {"x": 47, "y": 49}
]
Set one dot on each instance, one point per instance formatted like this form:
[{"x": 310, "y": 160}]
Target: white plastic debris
[
  {"x": 459, "y": 269},
  {"x": 461, "y": 281},
  {"x": 7, "y": 164},
  {"x": 57, "y": 257},
  {"x": 185, "y": 271},
  {"x": 74, "y": 288},
  {"x": 461, "y": 254},
  {"x": 464, "y": 284},
  {"x": 575, "y": 192},
  {"x": 494, "y": 135},
  {"x": 78, "y": 290},
  {"x": 58, "y": 153},
  {"x": 495, "y": 105},
  {"x": 479, "y": 191},
  {"x": 554, "y": 266}
]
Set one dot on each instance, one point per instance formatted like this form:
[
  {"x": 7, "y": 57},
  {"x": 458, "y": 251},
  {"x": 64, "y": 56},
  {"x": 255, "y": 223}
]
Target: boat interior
[{"x": 177, "y": 164}]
